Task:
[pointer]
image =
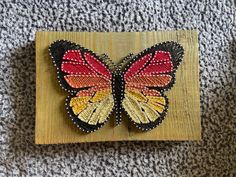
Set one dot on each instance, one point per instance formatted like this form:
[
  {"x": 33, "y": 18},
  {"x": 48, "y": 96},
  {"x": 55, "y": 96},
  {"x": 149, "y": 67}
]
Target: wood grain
[{"x": 183, "y": 118}]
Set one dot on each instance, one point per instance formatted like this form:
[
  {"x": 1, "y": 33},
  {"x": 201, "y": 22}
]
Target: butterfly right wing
[{"x": 146, "y": 77}]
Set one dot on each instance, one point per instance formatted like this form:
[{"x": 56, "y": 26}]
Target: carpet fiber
[{"x": 213, "y": 156}]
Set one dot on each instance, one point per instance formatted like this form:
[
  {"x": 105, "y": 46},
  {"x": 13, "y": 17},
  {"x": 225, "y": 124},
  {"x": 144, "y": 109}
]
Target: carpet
[{"x": 213, "y": 156}]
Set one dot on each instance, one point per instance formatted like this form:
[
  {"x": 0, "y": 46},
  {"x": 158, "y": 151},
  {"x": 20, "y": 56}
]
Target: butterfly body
[
  {"x": 118, "y": 94},
  {"x": 98, "y": 87}
]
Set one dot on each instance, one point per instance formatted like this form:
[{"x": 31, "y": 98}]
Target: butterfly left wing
[
  {"x": 89, "y": 82},
  {"x": 146, "y": 77}
]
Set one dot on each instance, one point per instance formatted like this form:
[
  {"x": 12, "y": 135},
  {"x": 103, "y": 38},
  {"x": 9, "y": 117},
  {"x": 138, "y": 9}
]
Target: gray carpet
[{"x": 213, "y": 156}]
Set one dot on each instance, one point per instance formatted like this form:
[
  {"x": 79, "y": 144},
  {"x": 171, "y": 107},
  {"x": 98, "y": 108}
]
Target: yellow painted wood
[{"x": 183, "y": 118}]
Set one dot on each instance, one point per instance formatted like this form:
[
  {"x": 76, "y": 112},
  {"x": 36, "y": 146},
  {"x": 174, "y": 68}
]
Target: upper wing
[
  {"x": 89, "y": 81},
  {"x": 146, "y": 77}
]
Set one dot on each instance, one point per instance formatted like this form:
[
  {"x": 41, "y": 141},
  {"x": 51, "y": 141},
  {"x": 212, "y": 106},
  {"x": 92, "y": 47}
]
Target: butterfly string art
[{"x": 97, "y": 87}]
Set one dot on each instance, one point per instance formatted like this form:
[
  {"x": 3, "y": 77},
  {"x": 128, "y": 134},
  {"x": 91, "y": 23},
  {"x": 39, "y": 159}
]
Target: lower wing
[
  {"x": 90, "y": 111},
  {"x": 146, "y": 108}
]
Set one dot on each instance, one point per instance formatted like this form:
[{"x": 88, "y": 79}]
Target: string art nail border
[{"x": 160, "y": 60}]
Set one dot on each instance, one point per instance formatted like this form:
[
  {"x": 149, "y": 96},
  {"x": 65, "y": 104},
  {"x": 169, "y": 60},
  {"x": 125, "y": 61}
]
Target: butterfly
[{"x": 97, "y": 87}]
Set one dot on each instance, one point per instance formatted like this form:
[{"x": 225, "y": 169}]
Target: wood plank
[{"x": 183, "y": 118}]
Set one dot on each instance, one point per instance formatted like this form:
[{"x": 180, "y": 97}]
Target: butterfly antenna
[
  {"x": 125, "y": 60},
  {"x": 111, "y": 65}
]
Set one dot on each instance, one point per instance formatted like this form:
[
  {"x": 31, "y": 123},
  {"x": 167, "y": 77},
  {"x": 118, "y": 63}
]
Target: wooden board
[{"x": 183, "y": 118}]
